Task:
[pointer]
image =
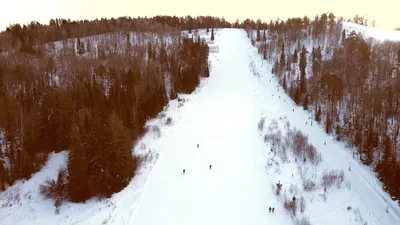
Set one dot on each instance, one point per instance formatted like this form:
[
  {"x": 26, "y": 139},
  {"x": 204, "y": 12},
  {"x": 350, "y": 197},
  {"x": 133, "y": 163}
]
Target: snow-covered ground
[
  {"x": 381, "y": 35},
  {"x": 222, "y": 116}
]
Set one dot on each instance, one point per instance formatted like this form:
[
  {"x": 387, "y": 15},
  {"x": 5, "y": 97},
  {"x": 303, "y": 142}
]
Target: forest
[
  {"x": 89, "y": 87},
  {"x": 347, "y": 82}
]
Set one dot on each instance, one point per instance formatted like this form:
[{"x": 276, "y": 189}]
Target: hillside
[
  {"x": 347, "y": 77},
  {"x": 91, "y": 96}
]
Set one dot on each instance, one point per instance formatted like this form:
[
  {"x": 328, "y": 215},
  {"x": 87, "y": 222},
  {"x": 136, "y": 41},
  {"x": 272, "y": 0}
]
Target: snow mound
[{"x": 23, "y": 202}]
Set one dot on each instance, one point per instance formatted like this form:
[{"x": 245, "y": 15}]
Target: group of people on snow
[
  {"x": 271, "y": 209},
  {"x": 184, "y": 171}
]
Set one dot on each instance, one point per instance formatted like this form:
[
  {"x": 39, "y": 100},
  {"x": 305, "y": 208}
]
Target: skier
[
  {"x": 210, "y": 166},
  {"x": 183, "y": 171},
  {"x": 273, "y": 210},
  {"x": 270, "y": 209},
  {"x": 197, "y": 145}
]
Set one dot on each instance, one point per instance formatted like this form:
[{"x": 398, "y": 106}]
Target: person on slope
[
  {"x": 183, "y": 171},
  {"x": 210, "y": 166}
]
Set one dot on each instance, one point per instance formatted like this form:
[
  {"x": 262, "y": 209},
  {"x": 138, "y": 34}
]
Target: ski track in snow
[{"x": 222, "y": 117}]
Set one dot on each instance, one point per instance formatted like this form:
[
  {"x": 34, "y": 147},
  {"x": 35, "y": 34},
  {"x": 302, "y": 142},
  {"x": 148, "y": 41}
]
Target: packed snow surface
[{"x": 222, "y": 117}]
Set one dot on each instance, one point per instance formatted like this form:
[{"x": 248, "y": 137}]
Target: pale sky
[{"x": 384, "y": 12}]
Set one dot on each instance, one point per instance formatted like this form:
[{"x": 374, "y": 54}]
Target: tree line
[{"x": 26, "y": 38}]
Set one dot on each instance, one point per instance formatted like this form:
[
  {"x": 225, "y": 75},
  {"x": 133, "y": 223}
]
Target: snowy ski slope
[{"x": 222, "y": 117}]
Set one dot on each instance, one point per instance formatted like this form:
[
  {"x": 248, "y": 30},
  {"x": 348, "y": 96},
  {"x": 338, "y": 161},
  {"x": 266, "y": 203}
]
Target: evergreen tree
[
  {"x": 305, "y": 103},
  {"x": 264, "y": 37},
  {"x": 118, "y": 147},
  {"x": 88, "y": 46},
  {"x": 55, "y": 120},
  {"x": 331, "y": 23},
  {"x": 318, "y": 114},
  {"x": 80, "y": 46},
  {"x": 316, "y": 61},
  {"x": 302, "y": 65},
  {"x": 368, "y": 148},
  {"x": 258, "y": 35},
  {"x": 163, "y": 53},
  {"x": 128, "y": 40},
  {"x": 295, "y": 56},
  {"x": 318, "y": 54},
  {"x": 297, "y": 96},
  {"x": 284, "y": 86},
  {"x": 343, "y": 37},
  {"x": 328, "y": 124},
  {"x": 298, "y": 45},
  {"x": 384, "y": 166},
  {"x": 276, "y": 67},
  {"x": 288, "y": 66},
  {"x": 265, "y": 52},
  {"x": 282, "y": 58},
  {"x": 358, "y": 138},
  {"x": 149, "y": 50},
  {"x": 78, "y": 183},
  {"x": 98, "y": 167}
]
